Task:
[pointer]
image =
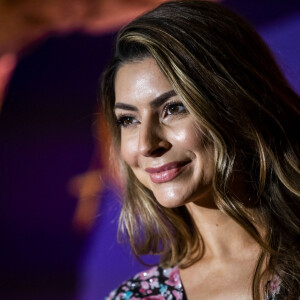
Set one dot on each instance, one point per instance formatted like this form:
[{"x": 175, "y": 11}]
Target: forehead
[{"x": 140, "y": 81}]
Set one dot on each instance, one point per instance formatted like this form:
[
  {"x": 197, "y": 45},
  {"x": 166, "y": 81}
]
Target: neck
[{"x": 222, "y": 236}]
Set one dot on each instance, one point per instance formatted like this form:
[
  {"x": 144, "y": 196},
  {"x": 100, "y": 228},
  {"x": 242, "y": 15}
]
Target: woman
[{"x": 206, "y": 128}]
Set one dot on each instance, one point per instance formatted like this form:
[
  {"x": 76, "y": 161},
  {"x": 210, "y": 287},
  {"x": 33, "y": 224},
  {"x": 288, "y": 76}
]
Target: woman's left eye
[{"x": 175, "y": 108}]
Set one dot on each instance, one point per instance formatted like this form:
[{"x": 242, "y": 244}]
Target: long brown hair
[{"x": 229, "y": 81}]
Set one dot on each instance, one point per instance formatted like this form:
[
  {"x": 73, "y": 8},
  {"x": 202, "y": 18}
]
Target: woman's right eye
[{"x": 126, "y": 121}]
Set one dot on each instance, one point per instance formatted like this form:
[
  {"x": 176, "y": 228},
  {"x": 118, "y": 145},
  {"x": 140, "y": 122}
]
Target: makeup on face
[{"x": 160, "y": 141}]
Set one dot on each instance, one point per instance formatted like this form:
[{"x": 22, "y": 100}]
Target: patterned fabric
[
  {"x": 153, "y": 284},
  {"x": 165, "y": 284},
  {"x": 274, "y": 291}
]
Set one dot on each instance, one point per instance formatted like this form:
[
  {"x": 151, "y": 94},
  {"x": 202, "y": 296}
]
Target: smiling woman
[
  {"x": 161, "y": 142},
  {"x": 204, "y": 124}
]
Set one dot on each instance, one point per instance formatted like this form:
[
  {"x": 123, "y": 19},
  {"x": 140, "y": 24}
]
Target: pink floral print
[
  {"x": 165, "y": 284},
  {"x": 274, "y": 290},
  {"x": 154, "y": 284}
]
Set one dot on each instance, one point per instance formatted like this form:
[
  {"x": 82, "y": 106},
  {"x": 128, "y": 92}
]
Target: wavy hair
[{"x": 230, "y": 83}]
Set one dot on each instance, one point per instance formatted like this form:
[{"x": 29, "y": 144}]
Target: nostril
[
  {"x": 154, "y": 150},
  {"x": 158, "y": 151},
  {"x": 152, "y": 141}
]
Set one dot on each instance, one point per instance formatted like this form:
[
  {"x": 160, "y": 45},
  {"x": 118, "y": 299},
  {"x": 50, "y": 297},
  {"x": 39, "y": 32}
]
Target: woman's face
[{"x": 160, "y": 142}]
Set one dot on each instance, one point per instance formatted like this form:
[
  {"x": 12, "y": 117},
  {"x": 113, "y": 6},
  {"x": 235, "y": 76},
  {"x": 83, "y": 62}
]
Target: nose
[{"x": 153, "y": 141}]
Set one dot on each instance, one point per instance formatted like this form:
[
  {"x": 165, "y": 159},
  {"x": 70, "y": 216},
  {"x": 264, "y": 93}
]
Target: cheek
[
  {"x": 181, "y": 136},
  {"x": 190, "y": 137},
  {"x": 129, "y": 149}
]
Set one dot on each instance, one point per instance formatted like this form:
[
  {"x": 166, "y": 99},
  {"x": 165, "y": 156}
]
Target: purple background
[{"x": 46, "y": 138}]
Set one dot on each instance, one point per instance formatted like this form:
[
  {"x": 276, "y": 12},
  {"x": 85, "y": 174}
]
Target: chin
[
  {"x": 170, "y": 204},
  {"x": 170, "y": 199}
]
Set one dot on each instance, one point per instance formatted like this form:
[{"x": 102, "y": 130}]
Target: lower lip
[{"x": 167, "y": 175}]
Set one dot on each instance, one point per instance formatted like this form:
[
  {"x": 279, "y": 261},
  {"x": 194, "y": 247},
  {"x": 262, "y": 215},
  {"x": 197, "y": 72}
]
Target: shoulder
[{"x": 156, "y": 283}]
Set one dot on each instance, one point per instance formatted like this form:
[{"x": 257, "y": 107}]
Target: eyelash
[
  {"x": 172, "y": 104},
  {"x": 121, "y": 119}
]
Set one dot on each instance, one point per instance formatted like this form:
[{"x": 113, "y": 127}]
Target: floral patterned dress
[{"x": 165, "y": 284}]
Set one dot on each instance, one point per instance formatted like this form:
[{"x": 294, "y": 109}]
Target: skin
[{"x": 156, "y": 132}]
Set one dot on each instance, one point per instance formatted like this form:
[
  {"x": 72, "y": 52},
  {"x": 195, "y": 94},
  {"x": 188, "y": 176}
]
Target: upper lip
[{"x": 168, "y": 166}]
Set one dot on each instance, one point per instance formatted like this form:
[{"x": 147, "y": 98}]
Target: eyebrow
[{"x": 158, "y": 101}]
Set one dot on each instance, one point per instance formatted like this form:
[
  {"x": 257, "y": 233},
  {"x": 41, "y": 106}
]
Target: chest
[{"x": 218, "y": 281}]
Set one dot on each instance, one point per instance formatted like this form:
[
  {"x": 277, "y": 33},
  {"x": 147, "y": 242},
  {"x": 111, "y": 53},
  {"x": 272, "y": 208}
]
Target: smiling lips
[{"x": 166, "y": 172}]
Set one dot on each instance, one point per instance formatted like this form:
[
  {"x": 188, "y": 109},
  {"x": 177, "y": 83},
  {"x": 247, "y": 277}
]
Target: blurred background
[{"x": 59, "y": 204}]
